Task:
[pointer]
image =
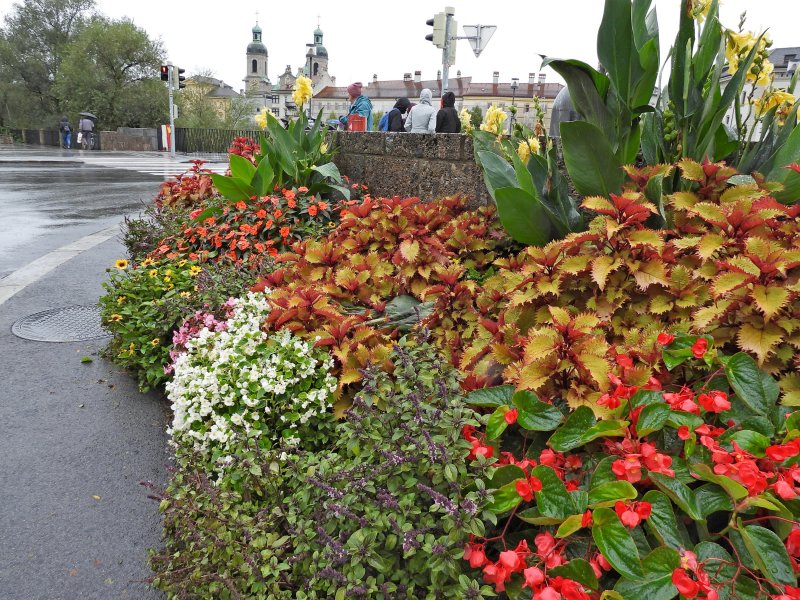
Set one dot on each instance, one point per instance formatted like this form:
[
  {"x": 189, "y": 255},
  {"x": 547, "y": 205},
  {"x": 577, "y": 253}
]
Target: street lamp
[{"x": 514, "y": 86}]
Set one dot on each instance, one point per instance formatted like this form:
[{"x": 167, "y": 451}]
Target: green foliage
[
  {"x": 293, "y": 157},
  {"x": 550, "y": 491},
  {"x": 111, "y": 69},
  {"x": 476, "y": 116},
  {"x": 386, "y": 510},
  {"x": 145, "y": 302}
]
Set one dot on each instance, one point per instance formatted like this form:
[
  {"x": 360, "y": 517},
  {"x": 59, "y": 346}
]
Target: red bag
[{"x": 356, "y": 123}]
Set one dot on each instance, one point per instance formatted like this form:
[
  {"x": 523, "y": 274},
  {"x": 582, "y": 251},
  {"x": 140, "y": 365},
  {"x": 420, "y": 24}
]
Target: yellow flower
[
  {"x": 302, "y": 91},
  {"x": 526, "y": 147},
  {"x": 115, "y": 318},
  {"x": 466, "y": 121},
  {"x": 167, "y": 279},
  {"x": 155, "y": 342},
  {"x": 147, "y": 262},
  {"x": 152, "y": 273},
  {"x": 121, "y": 264},
  {"x": 182, "y": 262},
  {"x": 777, "y": 99},
  {"x": 493, "y": 121},
  {"x": 194, "y": 270},
  {"x": 121, "y": 299},
  {"x": 739, "y": 46},
  {"x": 262, "y": 117},
  {"x": 131, "y": 348},
  {"x": 698, "y": 9},
  {"x": 323, "y": 148},
  {"x": 185, "y": 294}
]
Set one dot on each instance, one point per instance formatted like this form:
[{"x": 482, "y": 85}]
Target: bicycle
[{"x": 87, "y": 140}]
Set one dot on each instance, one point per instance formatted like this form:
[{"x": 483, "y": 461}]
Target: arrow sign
[{"x": 479, "y": 36}]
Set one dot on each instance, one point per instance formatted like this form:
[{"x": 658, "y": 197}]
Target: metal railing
[
  {"x": 38, "y": 137},
  {"x": 209, "y": 141}
]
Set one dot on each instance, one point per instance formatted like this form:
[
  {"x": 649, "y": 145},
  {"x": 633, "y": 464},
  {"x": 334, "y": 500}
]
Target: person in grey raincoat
[{"x": 422, "y": 118}]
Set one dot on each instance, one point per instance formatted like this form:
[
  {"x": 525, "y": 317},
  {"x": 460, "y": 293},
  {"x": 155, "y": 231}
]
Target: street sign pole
[
  {"x": 449, "y": 38},
  {"x": 171, "y": 112}
]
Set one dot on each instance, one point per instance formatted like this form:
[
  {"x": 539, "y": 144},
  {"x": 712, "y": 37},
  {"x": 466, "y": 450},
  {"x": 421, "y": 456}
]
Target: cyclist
[{"x": 86, "y": 127}]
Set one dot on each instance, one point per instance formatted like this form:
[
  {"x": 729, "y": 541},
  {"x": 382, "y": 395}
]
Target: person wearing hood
[
  {"x": 401, "y": 107},
  {"x": 66, "y": 132},
  {"x": 359, "y": 105},
  {"x": 447, "y": 120},
  {"x": 422, "y": 118}
]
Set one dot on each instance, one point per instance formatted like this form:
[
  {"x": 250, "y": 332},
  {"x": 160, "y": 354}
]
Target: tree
[
  {"x": 476, "y": 116},
  {"x": 200, "y": 108},
  {"x": 112, "y": 69},
  {"x": 36, "y": 36}
]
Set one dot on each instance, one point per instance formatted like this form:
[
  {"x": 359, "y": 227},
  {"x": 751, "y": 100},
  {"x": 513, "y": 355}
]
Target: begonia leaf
[
  {"x": 493, "y": 396},
  {"x": 553, "y": 500},
  {"x": 615, "y": 542},
  {"x": 723, "y": 570},
  {"x": 568, "y": 436},
  {"x": 607, "y": 494},
  {"x": 504, "y": 499},
  {"x": 657, "y": 581},
  {"x": 652, "y": 418},
  {"x": 702, "y": 471},
  {"x": 661, "y": 522},
  {"x": 755, "y": 388},
  {"x": 712, "y": 498},
  {"x": 535, "y": 415},
  {"x": 497, "y": 424},
  {"x": 578, "y": 570},
  {"x": 769, "y": 554},
  {"x": 679, "y": 493}
]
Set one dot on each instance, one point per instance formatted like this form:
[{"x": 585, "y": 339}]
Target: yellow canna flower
[
  {"x": 302, "y": 91},
  {"x": 737, "y": 48},
  {"x": 121, "y": 264},
  {"x": 323, "y": 148},
  {"x": 778, "y": 99},
  {"x": 494, "y": 119},
  {"x": 698, "y": 9},
  {"x": 261, "y": 118},
  {"x": 526, "y": 147},
  {"x": 466, "y": 121},
  {"x": 121, "y": 300}
]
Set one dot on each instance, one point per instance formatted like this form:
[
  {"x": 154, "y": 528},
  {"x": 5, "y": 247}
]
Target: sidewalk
[{"x": 75, "y": 440}]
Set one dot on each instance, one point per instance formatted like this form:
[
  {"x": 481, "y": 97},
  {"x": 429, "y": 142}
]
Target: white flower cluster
[{"x": 245, "y": 382}]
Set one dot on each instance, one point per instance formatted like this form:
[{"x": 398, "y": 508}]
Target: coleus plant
[{"x": 690, "y": 490}]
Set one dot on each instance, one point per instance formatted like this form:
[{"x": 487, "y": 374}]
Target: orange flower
[
  {"x": 241, "y": 205},
  {"x": 284, "y": 232},
  {"x": 259, "y": 247},
  {"x": 268, "y": 224},
  {"x": 312, "y": 210},
  {"x": 302, "y": 189},
  {"x": 261, "y": 214},
  {"x": 278, "y": 213},
  {"x": 291, "y": 203},
  {"x": 273, "y": 251},
  {"x": 289, "y": 194},
  {"x": 323, "y": 205}
]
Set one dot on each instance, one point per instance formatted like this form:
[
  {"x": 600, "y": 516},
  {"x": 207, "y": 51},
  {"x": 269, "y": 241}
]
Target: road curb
[{"x": 35, "y": 270}]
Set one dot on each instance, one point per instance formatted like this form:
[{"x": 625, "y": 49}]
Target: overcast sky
[{"x": 388, "y": 38}]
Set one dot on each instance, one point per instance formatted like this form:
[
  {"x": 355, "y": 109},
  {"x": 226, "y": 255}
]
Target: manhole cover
[{"x": 66, "y": 324}]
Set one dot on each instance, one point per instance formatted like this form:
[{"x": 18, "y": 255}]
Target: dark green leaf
[
  {"x": 712, "y": 498},
  {"x": 657, "y": 581},
  {"x": 505, "y": 474},
  {"x": 679, "y": 493},
  {"x": 493, "y": 396},
  {"x": 242, "y": 169},
  {"x": 522, "y": 216},
  {"x": 578, "y": 570},
  {"x": 603, "y": 473},
  {"x": 590, "y": 160},
  {"x": 615, "y": 542},
  {"x": 661, "y": 522},
  {"x": 769, "y": 554},
  {"x": 497, "y": 173},
  {"x": 615, "y": 47},
  {"x": 264, "y": 180},
  {"x": 568, "y": 436},
  {"x": 702, "y": 471},
  {"x": 535, "y": 415},
  {"x": 722, "y": 569},
  {"x": 553, "y": 500},
  {"x": 607, "y": 494},
  {"x": 755, "y": 388},
  {"x": 751, "y": 441},
  {"x": 497, "y": 423},
  {"x": 645, "y": 397},
  {"x": 652, "y": 418},
  {"x": 504, "y": 499},
  {"x": 232, "y": 188}
]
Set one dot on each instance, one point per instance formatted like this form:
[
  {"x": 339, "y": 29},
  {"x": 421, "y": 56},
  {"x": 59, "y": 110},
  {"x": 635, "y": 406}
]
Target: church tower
[
  {"x": 316, "y": 66},
  {"x": 257, "y": 81}
]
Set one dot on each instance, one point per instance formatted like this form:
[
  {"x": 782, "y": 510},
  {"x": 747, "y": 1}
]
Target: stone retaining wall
[
  {"x": 131, "y": 140},
  {"x": 411, "y": 164}
]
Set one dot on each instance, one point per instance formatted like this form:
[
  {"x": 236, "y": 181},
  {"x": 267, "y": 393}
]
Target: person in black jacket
[
  {"x": 447, "y": 120},
  {"x": 396, "y": 114}
]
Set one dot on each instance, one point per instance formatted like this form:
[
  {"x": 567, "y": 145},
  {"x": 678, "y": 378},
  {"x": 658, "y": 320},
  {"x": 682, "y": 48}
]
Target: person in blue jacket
[{"x": 359, "y": 105}]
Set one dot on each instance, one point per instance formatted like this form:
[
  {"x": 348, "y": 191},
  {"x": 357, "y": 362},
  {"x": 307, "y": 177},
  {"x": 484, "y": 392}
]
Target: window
[
  {"x": 527, "y": 108},
  {"x": 276, "y": 112},
  {"x": 275, "y": 99},
  {"x": 255, "y": 66},
  {"x": 316, "y": 69}
]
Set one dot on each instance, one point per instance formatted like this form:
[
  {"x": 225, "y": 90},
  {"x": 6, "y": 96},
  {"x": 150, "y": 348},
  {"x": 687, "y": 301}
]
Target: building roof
[
  {"x": 220, "y": 88},
  {"x": 781, "y": 57},
  {"x": 460, "y": 86}
]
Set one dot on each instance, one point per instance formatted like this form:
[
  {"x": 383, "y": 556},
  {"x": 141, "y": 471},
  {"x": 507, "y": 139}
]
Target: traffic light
[
  {"x": 180, "y": 78},
  {"x": 439, "y": 24},
  {"x": 164, "y": 72}
]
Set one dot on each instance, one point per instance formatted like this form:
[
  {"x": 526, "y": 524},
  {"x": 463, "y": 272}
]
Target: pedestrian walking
[
  {"x": 66, "y": 132},
  {"x": 359, "y": 105},
  {"x": 401, "y": 107},
  {"x": 447, "y": 120},
  {"x": 422, "y": 118}
]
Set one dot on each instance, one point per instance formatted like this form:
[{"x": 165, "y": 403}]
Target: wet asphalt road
[
  {"x": 75, "y": 438},
  {"x": 48, "y": 199}
]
